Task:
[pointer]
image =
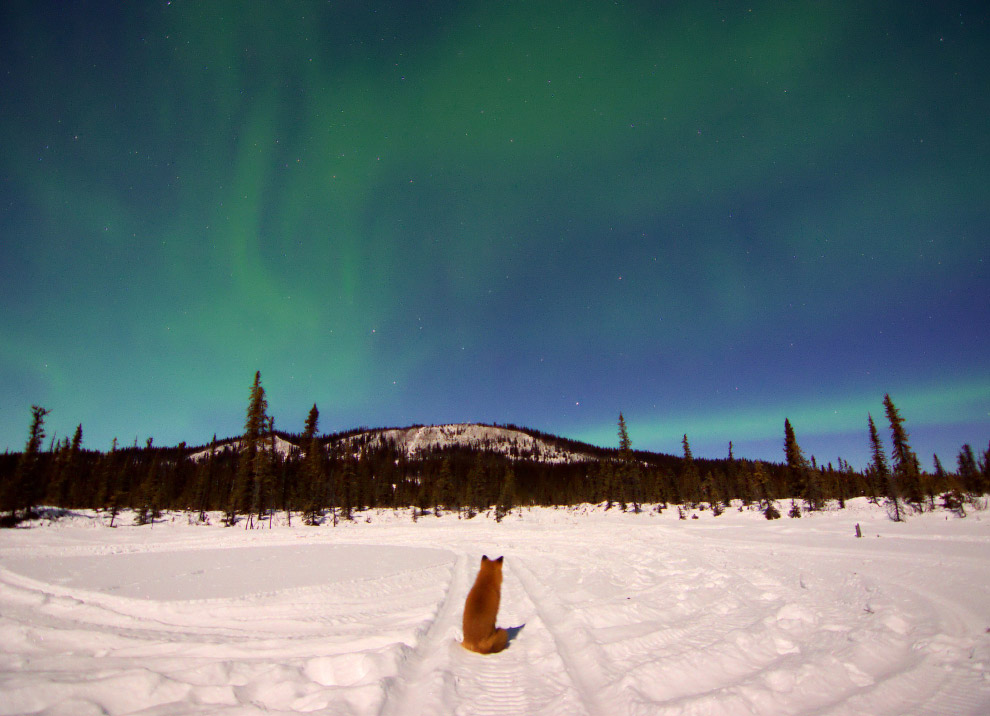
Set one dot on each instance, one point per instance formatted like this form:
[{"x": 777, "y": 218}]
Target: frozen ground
[{"x": 610, "y": 614}]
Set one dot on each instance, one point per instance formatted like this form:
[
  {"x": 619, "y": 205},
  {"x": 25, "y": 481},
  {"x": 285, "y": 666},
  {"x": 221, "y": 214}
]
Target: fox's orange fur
[{"x": 481, "y": 610}]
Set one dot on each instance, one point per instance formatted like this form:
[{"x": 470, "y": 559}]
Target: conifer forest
[{"x": 330, "y": 477}]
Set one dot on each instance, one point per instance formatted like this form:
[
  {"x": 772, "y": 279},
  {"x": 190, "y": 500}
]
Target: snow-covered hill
[
  {"x": 283, "y": 447},
  {"x": 416, "y": 442}
]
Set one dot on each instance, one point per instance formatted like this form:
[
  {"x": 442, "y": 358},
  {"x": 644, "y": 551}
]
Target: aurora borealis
[{"x": 708, "y": 216}]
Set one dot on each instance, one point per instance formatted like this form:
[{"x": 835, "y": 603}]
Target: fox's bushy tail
[{"x": 489, "y": 645}]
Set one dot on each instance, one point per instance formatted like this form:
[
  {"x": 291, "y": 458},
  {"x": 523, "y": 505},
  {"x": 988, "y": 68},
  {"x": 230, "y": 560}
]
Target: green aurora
[{"x": 708, "y": 216}]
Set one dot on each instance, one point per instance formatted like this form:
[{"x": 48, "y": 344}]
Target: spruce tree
[
  {"x": 206, "y": 474},
  {"x": 113, "y": 507},
  {"x": 23, "y": 490},
  {"x": 969, "y": 473},
  {"x": 761, "y": 487},
  {"x": 345, "y": 493},
  {"x": 905, "y": 463},
  {"x": 269, "y": 460},
  {"x": 148, "y": 496},
  {"x": 843, "y": 482},
  {"x": 313, "y": 468},
  {"x": 474, "y": 491},
  {"x": 198, "y": 496},
  {"x": 690, "y": 480},
  {"x": 734, "y": 487},
  {"x": 606, "y": 472},
  {"x": 75, "y": 478},
  {"x": 363, "y": 485},
  {"x": 57, "y": 490},
  {"x": 507, "y": 496},
  {"x": 882, "y": 474},
  {"x": 625, "y": 458},
  {"x": 332, "y": 494},
  {"x": 625, "y": 444},
  {"x": 466, "y": 500},
  {"x": 879, "y": 479},
  {"x": 940, "y": 476},
  {"x": 246, "y": 492},
  {"x": 708, "y": 490},
  {"x": 480, "y": 478},
  {"x": 104, "y": 476},
  {"x": 801, "y": 481},
  {"x": 424, "y": 491},
  {"x": 629, "y": 475},
  {"x": 443, "y": 488}
]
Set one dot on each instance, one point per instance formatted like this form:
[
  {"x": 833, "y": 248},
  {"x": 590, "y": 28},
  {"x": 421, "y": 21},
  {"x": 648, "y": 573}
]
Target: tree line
[{"x": 327, "y": 478}]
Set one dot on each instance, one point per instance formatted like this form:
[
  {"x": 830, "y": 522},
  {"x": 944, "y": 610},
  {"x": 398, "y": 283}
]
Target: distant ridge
[
  {"x": 418, "y": 442},
  {"x": 282, "y": 446}
]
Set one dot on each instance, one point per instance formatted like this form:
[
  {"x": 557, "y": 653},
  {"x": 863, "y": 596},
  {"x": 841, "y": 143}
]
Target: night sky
[{"x": 708, "y": 216}]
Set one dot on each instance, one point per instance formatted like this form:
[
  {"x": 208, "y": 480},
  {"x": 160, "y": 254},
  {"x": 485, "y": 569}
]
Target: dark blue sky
[{"x": 709, "y": 217}]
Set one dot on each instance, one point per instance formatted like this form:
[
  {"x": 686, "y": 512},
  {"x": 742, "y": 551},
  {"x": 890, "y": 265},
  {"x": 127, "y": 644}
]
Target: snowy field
[{"x": 609, "y": 613}]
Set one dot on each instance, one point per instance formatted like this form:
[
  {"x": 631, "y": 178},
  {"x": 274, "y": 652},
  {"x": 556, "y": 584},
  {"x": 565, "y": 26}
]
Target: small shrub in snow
[{"x": 954, "y": 502}]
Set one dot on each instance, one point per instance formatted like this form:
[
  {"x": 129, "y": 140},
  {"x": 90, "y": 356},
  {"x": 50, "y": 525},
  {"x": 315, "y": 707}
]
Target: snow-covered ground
[{"x": 609, "y": 613}]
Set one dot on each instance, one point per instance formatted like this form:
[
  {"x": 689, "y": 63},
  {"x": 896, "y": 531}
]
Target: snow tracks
[
  {"x": 421, "y": 676},
  {"x": 625, "y": 615},
  {"x": 579, "y": 654},
  {"x": 657, "y": 622},
  {"x": 549, "y": 666}
]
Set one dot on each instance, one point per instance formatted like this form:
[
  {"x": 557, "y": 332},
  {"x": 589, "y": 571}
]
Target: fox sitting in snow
[{"x": 481, "y": 610}]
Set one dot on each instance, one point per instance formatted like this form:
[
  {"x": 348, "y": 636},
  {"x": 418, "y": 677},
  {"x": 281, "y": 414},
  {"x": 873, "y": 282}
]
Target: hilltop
[{"x": 419, "y": 442}]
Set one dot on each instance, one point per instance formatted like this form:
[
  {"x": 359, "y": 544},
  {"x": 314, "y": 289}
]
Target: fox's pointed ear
[
  {"x": 499, "y": 560},
  {"x": 484, "y": 558}
]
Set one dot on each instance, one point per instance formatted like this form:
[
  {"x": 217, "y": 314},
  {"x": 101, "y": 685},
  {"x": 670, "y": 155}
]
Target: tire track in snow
[
  {"x": 577, "y": 650},
  {"x": 929, "y": 626},
  {"x": 409, "y": 691},
  {"x": 528, "y": 677},
  {"x": 440, "y": 677},
  {"x": 689, "y": 631},
  {"x": 889, "y": 664},
  {"x": 920, "y": 683},
  {"x": 489, "y": 685}
]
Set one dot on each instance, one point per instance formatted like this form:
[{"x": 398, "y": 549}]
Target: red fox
[{"x": 481, "y": 610}]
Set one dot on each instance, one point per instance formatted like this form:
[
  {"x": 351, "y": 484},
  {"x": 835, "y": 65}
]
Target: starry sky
[{"x": 709, "y": 216}]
